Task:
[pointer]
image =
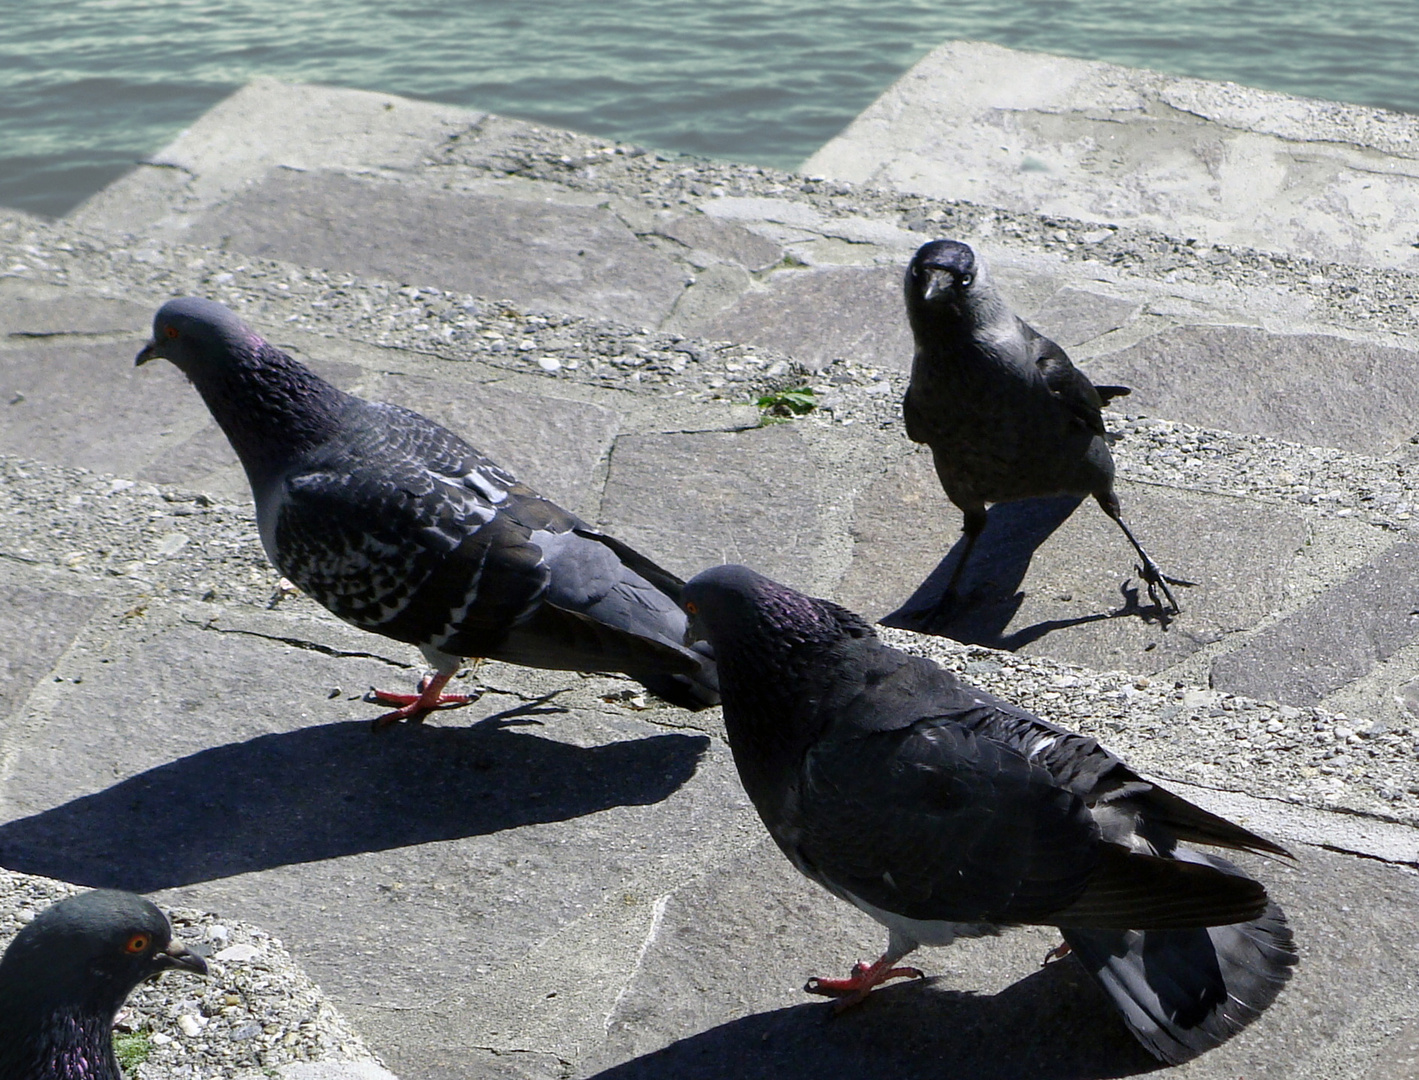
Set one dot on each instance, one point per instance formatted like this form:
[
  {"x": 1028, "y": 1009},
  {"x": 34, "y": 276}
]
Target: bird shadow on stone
[
  {"x": 988, "y": 595},
  {"x": 336, "y": 789},
  {"x": 1052, "y": 1025}
]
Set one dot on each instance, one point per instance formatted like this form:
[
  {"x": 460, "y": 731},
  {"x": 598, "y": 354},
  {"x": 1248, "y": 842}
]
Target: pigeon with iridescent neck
[
  {"x": 945, "y": 812},
  {"x": 400, "y": 527},
  {"x": 66, "y": 975}
]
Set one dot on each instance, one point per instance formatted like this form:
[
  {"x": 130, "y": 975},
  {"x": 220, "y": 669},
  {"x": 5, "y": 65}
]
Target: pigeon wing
[
  {"x": 403, "y": 529},
  {"x": 934, "y": 822}
]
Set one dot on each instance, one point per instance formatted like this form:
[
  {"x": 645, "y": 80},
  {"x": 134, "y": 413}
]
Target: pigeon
[
  {"x": 66, "y": 975},
  {"x": 945, "y": 812},
  {"x": 398, "y": 526},
  {"x": 1007, "y": 416}
]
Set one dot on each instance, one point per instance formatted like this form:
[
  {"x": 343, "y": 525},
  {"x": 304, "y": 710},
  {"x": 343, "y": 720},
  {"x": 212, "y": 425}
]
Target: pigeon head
[
  {"x": 765, "y": 635},
  {"x": 733, "y": 604},
  {"x": 90, "y": 951},
  {"x": 198, "y": 335},
  {"x": 66, "y": 975},
  {"x": 268, "y": 404},
  {"x": 780, "y": 657}
]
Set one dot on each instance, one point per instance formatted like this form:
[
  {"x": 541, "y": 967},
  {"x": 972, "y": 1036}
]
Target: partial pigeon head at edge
[{"x": 66, "y": 974}]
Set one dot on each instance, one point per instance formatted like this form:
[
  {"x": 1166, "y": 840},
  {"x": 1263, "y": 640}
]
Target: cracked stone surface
[{"x": 565, "y": 879}]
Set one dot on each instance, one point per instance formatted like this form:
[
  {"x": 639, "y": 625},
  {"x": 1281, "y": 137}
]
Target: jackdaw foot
[
  {"x": 1157, "y": 581},
  {"x": 854, "y": 989},
  {"x": 414, "y": 707}
]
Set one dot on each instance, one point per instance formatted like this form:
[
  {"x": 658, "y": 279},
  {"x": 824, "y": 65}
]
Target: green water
[{"x": 88, "y": 87}]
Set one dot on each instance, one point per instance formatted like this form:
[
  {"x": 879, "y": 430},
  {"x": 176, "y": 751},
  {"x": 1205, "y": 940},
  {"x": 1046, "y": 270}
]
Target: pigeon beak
[
  {"x": 148, "y": 351},
  {"x": 178, "y": 955}
]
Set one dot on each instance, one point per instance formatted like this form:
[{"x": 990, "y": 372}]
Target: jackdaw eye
[{"x": 966, "y": 279}]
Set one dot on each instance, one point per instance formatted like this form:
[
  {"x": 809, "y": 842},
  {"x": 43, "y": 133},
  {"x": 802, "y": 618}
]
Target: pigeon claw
[
  {"x": 854, "y": 989},
  {"x": 414, "y": 707},
  {"x": 1059, "y": 952}
]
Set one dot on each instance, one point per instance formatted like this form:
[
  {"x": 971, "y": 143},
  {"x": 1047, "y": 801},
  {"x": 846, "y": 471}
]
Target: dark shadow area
[
  {"x": 1052, "y": 1025},
  {"x": 988, "y": 596},
  {"x": 322, "y": 792}
]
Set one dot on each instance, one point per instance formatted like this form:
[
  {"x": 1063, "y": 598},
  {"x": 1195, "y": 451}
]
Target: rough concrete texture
[
  {"x": 1115, "y": 145},
  {"x": 565, "y": 879}
]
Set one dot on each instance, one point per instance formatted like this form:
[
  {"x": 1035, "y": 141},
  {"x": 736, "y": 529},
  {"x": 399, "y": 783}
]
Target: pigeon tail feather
[{"x": 1184, "y": 992}]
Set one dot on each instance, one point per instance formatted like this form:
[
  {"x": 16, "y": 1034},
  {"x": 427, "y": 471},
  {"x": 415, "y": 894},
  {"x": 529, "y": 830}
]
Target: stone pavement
[{"x": 565, "y": 879}]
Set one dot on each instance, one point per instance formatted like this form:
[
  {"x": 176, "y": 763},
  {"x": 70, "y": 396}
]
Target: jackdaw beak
[
  {"x": 939, "y": 282},
  {"x": 178, "y": 955}
]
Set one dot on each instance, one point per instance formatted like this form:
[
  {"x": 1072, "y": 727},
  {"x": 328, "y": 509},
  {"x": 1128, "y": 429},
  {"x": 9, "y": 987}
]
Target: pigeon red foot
[
  {"x": 854, "y": 989},
  {"x": 414, "y": 707}
]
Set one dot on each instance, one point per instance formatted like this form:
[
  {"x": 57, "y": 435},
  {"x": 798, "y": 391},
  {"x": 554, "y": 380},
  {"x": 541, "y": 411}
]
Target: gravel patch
[
  {"x": 1357, "y": 297},
  {"x": 254, "y": 1013}
]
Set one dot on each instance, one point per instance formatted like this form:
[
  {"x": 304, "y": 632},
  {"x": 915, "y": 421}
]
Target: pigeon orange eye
[
  {"x": 692, "y": 607},
  {"x": 137, "y": 943},
  {"x": 170, "y": 331}
]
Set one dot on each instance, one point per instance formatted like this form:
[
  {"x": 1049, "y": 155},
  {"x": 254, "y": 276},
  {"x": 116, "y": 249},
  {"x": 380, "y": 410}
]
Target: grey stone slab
[
  {"x": 718, "y": 993},
  {"x": 695, "y": 500},
  {"x": 269, "y": 124},
  {"x": 204, "y": 460},
  {"x": 1060, "y": 584},
  {"x": 86, "y": 404},
  {"x": 334, "y": 1070},
  {"x": 36, "y": 625},
  {"x": 1099, "y": 142},
  {"x": 723, "y": 239},
  {"x": 1331, "y": 641},
  {"x": 715, "y": 289},
  {"x": 577, "y": 259},
  {"x": 59, "y": 316},
  {"x": 1306, "y": 388},
  {"x": 553, "y": 444},
  {"x": 1073, "y": 316},
  {"x": 818, "y": 315},
  {"x": 230, "y": 766}
]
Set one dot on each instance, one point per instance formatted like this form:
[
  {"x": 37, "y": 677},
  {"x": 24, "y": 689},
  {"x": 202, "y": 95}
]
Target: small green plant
[
  {"x": 132, "y": 1049},
  {"x": 785, "y": 403}
]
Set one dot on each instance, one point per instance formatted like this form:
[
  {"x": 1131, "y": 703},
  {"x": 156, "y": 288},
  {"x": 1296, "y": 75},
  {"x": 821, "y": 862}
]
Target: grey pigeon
[
  {"x": 945, "y": 812},
  {"x": 1007, "y": 416},
  {"x": 66, "y": 975},
  {"x": 400, "y": 527}
]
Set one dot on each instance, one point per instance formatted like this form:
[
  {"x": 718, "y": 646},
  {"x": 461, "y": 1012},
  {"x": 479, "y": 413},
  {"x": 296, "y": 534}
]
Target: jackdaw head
[{"x": 942, "y": 272}]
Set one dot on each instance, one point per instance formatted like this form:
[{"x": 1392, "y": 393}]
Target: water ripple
[{"x": 89, "y": 86}]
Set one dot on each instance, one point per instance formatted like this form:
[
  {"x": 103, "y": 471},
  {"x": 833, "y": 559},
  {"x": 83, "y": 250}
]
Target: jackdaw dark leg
[
  {"x": 1152, "y": 576},
  {"x": 971, "y": 528}
]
